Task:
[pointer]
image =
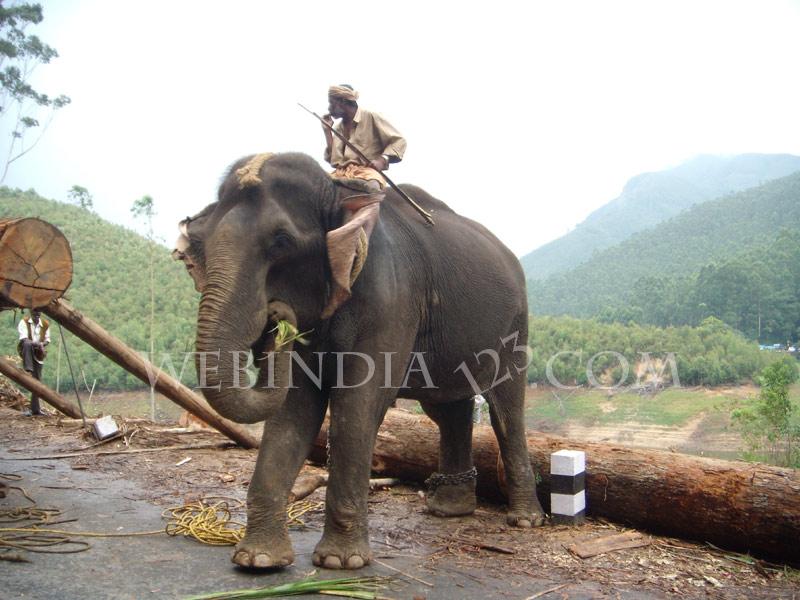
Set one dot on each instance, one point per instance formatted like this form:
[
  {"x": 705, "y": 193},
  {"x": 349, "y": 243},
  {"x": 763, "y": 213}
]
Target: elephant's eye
[{"x": 280, "y": 241}]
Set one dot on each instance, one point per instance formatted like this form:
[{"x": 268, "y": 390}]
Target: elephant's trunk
[{"x": 228, "y": 326}]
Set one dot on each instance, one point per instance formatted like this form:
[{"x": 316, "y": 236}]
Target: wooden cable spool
[{"x": 35, "y": 263}]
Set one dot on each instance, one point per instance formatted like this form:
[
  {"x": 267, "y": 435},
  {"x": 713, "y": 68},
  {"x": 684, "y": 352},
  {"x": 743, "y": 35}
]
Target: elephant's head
[{"x": 258, "y": 256}]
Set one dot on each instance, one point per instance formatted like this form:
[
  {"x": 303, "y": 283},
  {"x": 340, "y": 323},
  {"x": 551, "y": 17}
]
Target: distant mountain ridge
[
  {"x": 708, "y": 232},
  {"x": 651, "y": 198}
]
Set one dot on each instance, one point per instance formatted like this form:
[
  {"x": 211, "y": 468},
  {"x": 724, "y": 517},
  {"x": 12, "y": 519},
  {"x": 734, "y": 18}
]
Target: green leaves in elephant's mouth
[
  {"x": 285, "y": 333},
  {"x": 278, "y": 335}
]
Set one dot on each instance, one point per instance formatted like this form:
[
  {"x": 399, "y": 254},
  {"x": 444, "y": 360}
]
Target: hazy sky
[{"x": 525, "y": 116}]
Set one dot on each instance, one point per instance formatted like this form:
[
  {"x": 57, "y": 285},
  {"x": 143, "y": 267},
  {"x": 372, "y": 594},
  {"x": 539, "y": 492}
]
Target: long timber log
[
  {"x": 732, "y": 504},
  {"x": 32, "y": 384},
  {"x": 108, "y": 345}
]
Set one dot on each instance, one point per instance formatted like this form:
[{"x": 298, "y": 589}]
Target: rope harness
[
  {"x": 249, "y": 174},
  {"x": 361, "y": 256}
]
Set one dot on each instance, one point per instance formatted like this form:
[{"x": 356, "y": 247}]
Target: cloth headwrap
[{"x": 338, "y": 91}]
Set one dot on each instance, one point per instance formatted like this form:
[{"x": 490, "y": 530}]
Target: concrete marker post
[{"x": 568, "y": 487}]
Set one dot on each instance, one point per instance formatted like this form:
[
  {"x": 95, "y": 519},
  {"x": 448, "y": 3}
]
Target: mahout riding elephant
[{"x": 436, "y": 313}]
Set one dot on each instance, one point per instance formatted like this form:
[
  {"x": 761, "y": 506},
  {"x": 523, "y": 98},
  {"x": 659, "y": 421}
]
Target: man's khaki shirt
[{"x": 370, "y": 133}]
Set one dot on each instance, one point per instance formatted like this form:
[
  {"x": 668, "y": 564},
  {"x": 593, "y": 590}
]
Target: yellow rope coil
[
  {"x": 249, "y": 174},
  {"x": 34, "y": 538},
  {"x": 212, "y": 524},
  {"x": 298, "y": 509},
  {"x": 30, "y": 513},
  {"x": 208, "y": 524}
]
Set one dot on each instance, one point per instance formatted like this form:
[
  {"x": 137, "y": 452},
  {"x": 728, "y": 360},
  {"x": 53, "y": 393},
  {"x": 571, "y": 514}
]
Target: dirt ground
[{"x": 124, "y": 485}]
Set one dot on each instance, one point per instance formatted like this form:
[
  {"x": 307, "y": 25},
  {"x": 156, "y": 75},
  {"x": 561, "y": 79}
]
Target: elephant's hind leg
[
  {"x": 451, "y": 491},
  {"x": 287, "y": 439},
  {"x": 507, "y": 410}
]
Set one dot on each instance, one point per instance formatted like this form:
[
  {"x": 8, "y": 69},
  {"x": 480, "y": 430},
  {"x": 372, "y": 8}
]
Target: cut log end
[{"x": 35, "y": 263}]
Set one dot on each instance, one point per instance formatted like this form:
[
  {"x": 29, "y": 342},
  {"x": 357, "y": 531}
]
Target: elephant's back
[
  {"x": 458, "y": 267},
  {"x": 454, "y": 240}
]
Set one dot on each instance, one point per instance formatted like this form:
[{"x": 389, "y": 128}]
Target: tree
[
  {"x": 80, "y": 196},
  {"x": 144, "y": 208},
  {"x": 769, "y": 425},
  {"x": 20, "y": 103}
]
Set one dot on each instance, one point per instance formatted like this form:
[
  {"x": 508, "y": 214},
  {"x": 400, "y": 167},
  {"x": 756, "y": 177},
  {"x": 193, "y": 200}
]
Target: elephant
[{"x": 437, "y": 314}]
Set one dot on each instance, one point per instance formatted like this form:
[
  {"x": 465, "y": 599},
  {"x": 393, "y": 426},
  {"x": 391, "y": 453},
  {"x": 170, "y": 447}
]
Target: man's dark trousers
[{"x": 34, "y": 367}]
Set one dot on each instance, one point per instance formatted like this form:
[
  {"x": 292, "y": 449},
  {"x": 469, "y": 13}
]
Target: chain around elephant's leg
[{"x": 451, "y": 491}]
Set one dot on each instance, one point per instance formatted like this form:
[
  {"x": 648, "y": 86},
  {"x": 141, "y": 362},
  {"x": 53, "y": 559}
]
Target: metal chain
[{"x": 439, "y": 479}]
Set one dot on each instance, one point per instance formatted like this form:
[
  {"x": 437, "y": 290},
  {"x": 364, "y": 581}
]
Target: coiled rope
[
  {"x": 207, "y": 523},
  {"x": 213, "y": 523}
]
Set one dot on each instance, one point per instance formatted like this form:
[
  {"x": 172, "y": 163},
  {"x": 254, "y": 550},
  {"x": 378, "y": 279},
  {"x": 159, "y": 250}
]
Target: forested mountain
[
  {"x": 733, "y": 258},
  {"x": 756, "y": 291},
  {"x": 651, "y": 198},
  {"x": 111, "y": 285}
]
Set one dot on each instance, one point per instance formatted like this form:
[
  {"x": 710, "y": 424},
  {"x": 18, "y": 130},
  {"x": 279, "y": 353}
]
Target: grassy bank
[
  {"x": 693, "y": 420},
  {"x": 673, "y": 407}
]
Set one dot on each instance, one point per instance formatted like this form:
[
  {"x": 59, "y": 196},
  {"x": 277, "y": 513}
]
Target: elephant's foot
[
  {"x": 530, "y": 514},
  {"x": 257, "y": 552},
  {"x": 340, "y": 552},
  {"x": 452, "y": 500}
]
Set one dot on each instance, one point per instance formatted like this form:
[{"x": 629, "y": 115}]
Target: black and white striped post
[{"x": 568, "y": 487}]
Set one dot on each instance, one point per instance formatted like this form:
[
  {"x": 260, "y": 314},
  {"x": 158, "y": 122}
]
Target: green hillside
[
  {"x": 666, "y": 262},
  {"x": 569, "y": 351},
  {"x": 111, "y": 285},
  {"x": 652, "y": 198},
  {"x": 756, "y": 291}
]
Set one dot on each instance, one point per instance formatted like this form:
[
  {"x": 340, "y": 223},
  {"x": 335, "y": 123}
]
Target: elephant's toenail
[
  {"x": 316, "y": 559},
  {"x": 241, "y": 558},
  {"x": 524, "y": 523},
  {"x": 355, "y": 562},
  {"x": 332, "y": 562},
  {"x": 263, "y": 561}
]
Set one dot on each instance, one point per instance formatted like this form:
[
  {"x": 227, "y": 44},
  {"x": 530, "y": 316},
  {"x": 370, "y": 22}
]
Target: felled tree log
[
  {"x": 732, "y": 504},
  {"x": 35, "y": 263},
  {"x": 105, "y": 343},
  {"x": 29, "y": 382}
]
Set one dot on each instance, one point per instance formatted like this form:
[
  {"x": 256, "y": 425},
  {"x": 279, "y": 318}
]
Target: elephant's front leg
[
  {"x": 287, "y": 439},
  {"x": 355, "y": 417}
]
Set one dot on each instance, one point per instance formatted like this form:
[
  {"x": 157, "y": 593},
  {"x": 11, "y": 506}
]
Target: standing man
[
  {"x": 34, "y": 336},
  {"x": 368, "y": 131}
]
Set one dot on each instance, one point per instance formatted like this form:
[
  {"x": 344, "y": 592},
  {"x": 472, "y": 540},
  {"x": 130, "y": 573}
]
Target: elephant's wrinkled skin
[{"x": 258, "y": 255}]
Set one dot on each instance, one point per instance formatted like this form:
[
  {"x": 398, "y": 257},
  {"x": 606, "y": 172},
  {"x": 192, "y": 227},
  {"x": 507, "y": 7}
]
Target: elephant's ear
[
  {"x": 348, "y": 246},
  {"x": 183, "y": 250}
]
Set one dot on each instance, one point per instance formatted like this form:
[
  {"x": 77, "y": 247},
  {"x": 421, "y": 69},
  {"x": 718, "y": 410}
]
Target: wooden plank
[{"x": 609, "y": 543}]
